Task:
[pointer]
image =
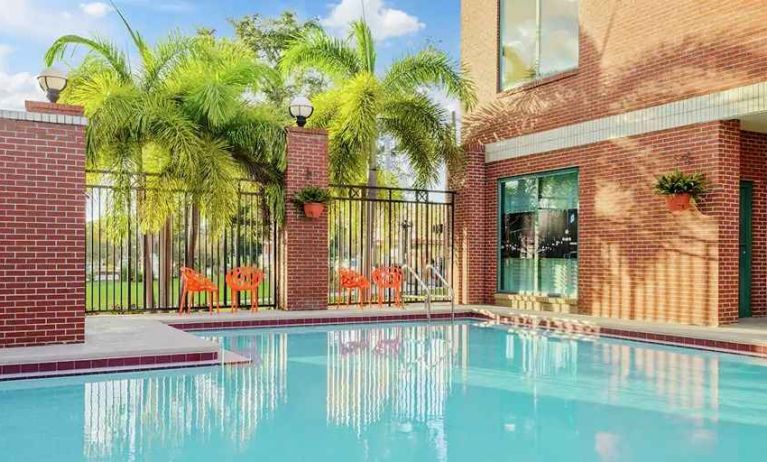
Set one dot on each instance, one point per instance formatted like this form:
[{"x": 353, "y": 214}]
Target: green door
[{"x": 746, "y": 205}]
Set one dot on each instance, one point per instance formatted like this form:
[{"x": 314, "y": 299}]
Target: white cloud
[
  {"x": 385, "y": 22},
  {"x": 16, "y": 88},
  {"x": 95, "y": 9},
  {"x": 167, "y": 6},
  {"x": 33, "y": 19}
]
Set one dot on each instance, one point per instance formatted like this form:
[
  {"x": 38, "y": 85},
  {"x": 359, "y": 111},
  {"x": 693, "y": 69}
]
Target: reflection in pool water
[
  {"x": 123, "y": 416},
  {"x": 448, "y": 392}
]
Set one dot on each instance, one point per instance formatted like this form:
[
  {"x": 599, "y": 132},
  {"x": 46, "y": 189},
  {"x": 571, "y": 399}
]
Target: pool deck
[
  {"x": 748, "y": 337},
  {"x": 115, "y": 343}
]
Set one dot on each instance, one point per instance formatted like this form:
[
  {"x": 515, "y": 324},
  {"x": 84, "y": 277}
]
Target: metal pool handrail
[
  {"x": 450, "y": 290},
  {"x": 424, "y": 286}
]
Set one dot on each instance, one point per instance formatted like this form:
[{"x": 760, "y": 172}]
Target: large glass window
[
  {"x": 538, "y": 38},
  {"x": 539, "y": 234}
]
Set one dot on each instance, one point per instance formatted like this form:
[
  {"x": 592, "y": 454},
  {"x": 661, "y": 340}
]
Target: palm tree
[
  {"x": 362, "y": 106},
  {"x": 179, "y": 120}
]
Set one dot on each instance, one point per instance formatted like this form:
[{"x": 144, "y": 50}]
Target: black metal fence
[
  {"x": 129, "y": 270},
  {"x": 372, "y": 227}
]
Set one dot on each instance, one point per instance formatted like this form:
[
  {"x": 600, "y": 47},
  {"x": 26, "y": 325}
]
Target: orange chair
[
  {"x": 244, "y": 278},
  {"x": 389, "y": 277},
  {"x": 192, "y": 282},
  {"x": 351, "y": 280}
]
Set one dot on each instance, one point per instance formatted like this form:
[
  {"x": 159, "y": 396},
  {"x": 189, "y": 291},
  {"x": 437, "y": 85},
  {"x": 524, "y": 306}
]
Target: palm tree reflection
[
  {"x": 133, "y": 415},
  {"x": 405, "y": 371}
]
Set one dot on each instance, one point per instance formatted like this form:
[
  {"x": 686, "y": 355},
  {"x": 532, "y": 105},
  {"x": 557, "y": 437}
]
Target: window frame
[
  {"x": 539, "y": 78},
  {"x": 499, "y": 223}
]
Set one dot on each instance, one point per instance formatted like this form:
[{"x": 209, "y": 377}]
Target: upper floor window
[{"x": 539, "y": 38}]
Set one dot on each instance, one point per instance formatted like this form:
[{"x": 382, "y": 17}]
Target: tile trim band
[{"x": 723, "y": 105}]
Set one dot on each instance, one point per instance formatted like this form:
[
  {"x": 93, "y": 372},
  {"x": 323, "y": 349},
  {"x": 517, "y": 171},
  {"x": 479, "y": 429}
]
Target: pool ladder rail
[{"x": 427, "y": 289}]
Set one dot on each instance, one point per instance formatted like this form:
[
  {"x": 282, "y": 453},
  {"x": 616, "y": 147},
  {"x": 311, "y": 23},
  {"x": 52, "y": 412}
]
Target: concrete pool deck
[
  {"x": 116, "y": 343},
  {"x": 748, "y": 337}
]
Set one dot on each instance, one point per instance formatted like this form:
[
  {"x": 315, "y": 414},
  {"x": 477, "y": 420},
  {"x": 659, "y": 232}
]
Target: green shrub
[
  {"x": 677, "y": 182},
  {"x": 311, "y": 194}
]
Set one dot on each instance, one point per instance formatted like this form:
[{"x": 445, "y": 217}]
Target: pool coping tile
[{"x": 552, "y": 322}]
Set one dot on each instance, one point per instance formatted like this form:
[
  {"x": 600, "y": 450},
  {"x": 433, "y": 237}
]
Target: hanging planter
[
  {"x": 314, "y": 209},
  {"x": 681, "y": 189},
  {"x": 678, "y": 202},
  {"x": 312, "y": 199}
]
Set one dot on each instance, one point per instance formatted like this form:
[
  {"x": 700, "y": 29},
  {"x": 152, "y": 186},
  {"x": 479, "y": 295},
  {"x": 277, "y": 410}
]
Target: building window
[
  {"x": 539, "y": 38},
  {"x": 538, "y": 252}
]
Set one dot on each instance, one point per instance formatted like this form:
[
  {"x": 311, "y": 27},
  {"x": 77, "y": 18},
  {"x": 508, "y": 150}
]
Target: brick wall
[
  {"x": 306, "y": 240},
  {"x": 636, "y": 259},
  {"x": 470, "y": 255},
  {"x": 753, "y": 167},
  {"x": 42, "y": 232},
  {"x": 633, "y": 54}
]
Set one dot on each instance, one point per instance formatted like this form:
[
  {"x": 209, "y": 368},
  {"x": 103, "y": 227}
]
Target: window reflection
[
  {"x": 539, "y": 235},
  {"x": 538, "y": 38}
]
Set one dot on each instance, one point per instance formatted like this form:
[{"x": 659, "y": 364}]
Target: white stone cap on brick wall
[
  {"x": 734, "y": 103},
  {"x": 43, "y": 117}
]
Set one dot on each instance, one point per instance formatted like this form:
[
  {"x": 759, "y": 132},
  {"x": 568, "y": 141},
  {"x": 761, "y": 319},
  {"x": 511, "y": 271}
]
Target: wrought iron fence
[
  {"x": 121, "y": 259},
  {"x": 372, "y": 227}
]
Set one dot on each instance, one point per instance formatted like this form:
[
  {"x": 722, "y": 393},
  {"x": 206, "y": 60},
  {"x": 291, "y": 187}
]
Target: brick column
[
  {"x": 42, "y": 225},
  {"x": 725, "y": 206},
  {"x": 470, "y": 227},
  {"x": 306, "y": 240}
]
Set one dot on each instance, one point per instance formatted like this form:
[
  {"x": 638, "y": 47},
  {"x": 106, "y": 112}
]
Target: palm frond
[
  {"x": 418, "y": 145},
  {"x": 366, "y": 51},
  {"x": 102, "y": 48},
  {"x": 422, "y": 132},
  {"x": 166, "y": 54},
  {"x": 316, "y": 50},
  {"x": 325, "y": 107},
  {"x": 138, "y": 41},
  {"x": 354, "y": 130},
  {"x": 431, "y": 68}
]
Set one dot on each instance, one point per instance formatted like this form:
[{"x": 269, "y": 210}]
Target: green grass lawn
[{"x": 113, "y": 295}]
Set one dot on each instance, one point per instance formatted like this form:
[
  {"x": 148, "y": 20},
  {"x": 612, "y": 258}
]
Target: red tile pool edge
[
  {"x": 212, "y": 325},
  {"x": 557, "y": 325},
  {"x": 82, "y": 366},
  {"x": 185, "y": 360}
]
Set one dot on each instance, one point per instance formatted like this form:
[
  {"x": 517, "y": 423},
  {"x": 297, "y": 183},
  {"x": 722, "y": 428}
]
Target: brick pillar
[
  {"x": 470, "y": 226},
  {"x": 753, "y": 167},
  {"x": 306, "y": 240},
  {"x": 725, "y": 206},
  {"x": 42, "y": 225}
]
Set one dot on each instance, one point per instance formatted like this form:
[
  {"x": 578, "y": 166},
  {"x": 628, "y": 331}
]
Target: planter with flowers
[
  {"x": 681, "y": 189},
  {"x": 312, "y": 199}
]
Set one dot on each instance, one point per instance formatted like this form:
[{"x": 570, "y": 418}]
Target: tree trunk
[
  {"x": 192, "y": 232},
  {"x": 372, "y": 193},
  {"x": 192, "y": 235},
  {"x": 166, "y": 252},
  {"x": 148, "y": 273}
]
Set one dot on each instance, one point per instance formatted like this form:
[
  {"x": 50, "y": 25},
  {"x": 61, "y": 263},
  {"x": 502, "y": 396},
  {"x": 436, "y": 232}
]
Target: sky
[{"x": 28, "y": 27}]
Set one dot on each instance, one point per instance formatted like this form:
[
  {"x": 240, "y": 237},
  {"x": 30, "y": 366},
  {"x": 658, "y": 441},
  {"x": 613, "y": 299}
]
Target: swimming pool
[{"x": 401, "y": 392}]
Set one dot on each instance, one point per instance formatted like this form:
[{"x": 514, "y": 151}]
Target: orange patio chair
[
  {"x": 389, "y": 277},
  {"x": 241, "y": 279},
  {"x": 193, "y": 282},
  {"x": 352, "y": 280}
]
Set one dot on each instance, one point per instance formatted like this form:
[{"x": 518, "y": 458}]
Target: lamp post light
[
  {"x": 52, "y": 81},
  {"x": 301, "y": 109}
]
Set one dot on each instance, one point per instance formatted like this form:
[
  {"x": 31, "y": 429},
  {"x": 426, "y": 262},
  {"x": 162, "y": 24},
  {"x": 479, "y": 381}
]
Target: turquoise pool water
[{"x": 405, "y": 392}]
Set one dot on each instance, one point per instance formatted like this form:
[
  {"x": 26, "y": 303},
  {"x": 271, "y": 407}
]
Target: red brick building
[{"x": 582, "y": 104}]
